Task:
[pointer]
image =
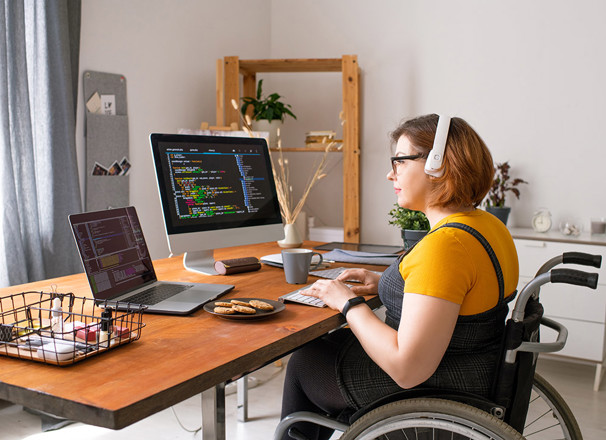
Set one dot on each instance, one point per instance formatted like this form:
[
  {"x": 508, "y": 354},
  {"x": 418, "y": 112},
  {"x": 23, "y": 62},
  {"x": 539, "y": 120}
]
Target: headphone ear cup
[
  {"x": 431, "y": 166},
  {"x": 435, "y": 159}
]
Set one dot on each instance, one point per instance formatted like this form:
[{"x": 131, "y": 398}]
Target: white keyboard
[
  {"x": 297, "y": 297},
  {"x": 333, "y": 273}
]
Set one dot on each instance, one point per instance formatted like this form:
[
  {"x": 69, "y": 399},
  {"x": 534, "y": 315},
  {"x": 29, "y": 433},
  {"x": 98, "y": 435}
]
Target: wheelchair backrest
[
  {"x": 521, "y": 345},
  {"x": 514, "y": 379}
]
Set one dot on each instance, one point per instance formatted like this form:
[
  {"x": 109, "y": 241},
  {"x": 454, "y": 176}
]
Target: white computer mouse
[{"x": 56, "y": 352}]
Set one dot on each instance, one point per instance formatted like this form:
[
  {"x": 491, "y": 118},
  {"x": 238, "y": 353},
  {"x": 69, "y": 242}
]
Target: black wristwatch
[{"x": 351, "y": 303}]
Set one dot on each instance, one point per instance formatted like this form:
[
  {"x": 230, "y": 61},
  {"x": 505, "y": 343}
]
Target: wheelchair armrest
[
  {"x": 541, "y": 347},
  {"x": 547, "y": 347}
]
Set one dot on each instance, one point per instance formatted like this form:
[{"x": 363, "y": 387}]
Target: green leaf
[
  {"x": 269, "y": 108},
  {"x": 408, "y": 219}
]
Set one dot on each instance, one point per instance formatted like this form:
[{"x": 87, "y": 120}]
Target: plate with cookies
[{"x": 244, "y": 308}]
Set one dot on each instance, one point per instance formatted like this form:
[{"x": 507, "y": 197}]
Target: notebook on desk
[{"x": 119, "y": 268}]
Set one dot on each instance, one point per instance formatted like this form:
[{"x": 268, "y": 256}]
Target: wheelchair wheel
[
  {"x": 549, "y": 417},
  {"x": 430, "y": 419}
]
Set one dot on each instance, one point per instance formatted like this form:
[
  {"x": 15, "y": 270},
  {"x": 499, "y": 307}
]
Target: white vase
[
  {"x": 292, "y": 238},
  {"x": 271, "y": 128}
]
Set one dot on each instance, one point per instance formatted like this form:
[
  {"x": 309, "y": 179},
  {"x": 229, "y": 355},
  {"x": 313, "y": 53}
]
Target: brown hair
[{"x": 468, "y": 166}]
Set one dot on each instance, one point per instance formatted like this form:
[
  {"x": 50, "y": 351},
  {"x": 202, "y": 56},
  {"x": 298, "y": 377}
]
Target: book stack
[{"x": 313, "y": 138}]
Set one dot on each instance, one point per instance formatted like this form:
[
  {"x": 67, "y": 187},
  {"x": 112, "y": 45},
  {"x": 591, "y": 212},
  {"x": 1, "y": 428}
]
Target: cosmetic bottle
[
  {"x": 105, "y": 332},
  {"x": 57, "y": 317}
]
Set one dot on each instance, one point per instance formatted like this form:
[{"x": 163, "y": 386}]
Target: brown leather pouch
[{"x": 237, "y": 265}]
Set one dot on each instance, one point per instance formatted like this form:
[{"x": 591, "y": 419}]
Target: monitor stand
[{"x": 200, "y": 261}]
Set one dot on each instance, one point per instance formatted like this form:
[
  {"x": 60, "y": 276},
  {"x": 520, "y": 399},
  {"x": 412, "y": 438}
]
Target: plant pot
[
  {"x": 410, "y": 237},
  {"x": 271, "y": 128},
  {"x": 502, "y": 213}
]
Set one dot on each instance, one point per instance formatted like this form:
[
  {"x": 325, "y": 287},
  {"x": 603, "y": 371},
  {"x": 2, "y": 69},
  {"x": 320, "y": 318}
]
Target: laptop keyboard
[{"x": 157, "y": 294}]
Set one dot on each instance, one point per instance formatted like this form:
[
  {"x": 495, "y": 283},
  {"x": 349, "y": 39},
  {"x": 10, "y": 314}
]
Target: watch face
[{"x": 541, "y": 222}]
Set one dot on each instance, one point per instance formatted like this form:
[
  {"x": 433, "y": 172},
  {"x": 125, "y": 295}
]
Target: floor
[{"x": 573, "y": 381}]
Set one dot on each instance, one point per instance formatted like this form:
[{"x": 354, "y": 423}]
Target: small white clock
[{"x": 541, "y": 220}]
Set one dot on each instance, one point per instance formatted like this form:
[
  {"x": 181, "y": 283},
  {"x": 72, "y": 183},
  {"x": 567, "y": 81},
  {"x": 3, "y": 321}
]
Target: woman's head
[{"x": 468, "y": 166}]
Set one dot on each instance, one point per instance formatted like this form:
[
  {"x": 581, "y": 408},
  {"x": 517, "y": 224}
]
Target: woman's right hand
[{"x": 369, "y": 280}]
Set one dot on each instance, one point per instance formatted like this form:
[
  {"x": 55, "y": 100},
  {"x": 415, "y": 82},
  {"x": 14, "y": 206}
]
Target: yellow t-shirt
[{"x": 452, "y": 264}]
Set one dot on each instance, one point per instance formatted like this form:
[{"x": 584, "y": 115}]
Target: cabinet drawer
[
  {"x": 585, "y": 339},
  {"x": 568, "y": 301},
  {"x": 532, "y": 254}
]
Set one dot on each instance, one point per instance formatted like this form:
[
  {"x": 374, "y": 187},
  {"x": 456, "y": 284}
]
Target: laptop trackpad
[{"x": 201, "y": 292}]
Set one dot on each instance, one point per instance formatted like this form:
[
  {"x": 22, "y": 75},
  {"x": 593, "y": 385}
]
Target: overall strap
[{"x": 489, "y": 251}]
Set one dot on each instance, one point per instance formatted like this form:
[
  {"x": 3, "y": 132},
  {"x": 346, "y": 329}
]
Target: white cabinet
[{"x": 580, "y": 309}]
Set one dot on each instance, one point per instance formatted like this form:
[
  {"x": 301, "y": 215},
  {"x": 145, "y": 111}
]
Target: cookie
[
  {"x": 224, "y": 310},
  {"x": 223, "y": 304},
  {"x": 240, "y": 303},
  {"x": 244, "y": 309},
  {"x": 261, "y": 304}
]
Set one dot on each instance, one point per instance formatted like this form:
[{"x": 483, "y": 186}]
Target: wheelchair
[{"x": 523, "y": 404}]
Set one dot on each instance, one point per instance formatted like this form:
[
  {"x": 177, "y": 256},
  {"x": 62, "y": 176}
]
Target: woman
[{"x": 445, "y": 300}]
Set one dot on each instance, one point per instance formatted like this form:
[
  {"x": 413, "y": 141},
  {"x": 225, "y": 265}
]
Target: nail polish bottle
[{"x": 57, "y": 317}]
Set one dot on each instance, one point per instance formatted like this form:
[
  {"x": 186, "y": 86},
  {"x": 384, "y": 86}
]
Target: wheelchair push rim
[{"x": 428, "y": 419}]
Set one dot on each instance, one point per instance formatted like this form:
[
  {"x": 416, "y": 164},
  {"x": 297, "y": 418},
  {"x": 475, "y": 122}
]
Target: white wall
[
  {"x": 527, "y": 75},
  {"x": 167, "y": 51}
]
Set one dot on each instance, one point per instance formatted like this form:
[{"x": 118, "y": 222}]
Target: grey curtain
[{"x": 39, "y": 187}]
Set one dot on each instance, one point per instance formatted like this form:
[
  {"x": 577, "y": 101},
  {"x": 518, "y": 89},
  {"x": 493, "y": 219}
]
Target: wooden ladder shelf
[{"x": 229, "y": 70}]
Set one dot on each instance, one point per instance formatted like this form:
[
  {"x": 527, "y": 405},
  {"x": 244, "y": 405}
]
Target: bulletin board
[{"x": 107, "y": 151}]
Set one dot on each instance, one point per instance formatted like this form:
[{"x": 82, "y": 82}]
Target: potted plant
[
  {"x": 414, "y": 224},
  {"x": 268, "y": 112},
  {"x": 502, "y": 183}
]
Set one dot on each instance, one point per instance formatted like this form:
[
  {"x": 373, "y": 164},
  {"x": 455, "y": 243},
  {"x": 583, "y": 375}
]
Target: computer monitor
[{"x": 216, "y": 192}]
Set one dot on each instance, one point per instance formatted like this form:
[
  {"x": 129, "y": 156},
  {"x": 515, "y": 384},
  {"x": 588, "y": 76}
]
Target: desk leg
[
  {"x": 242, "y": 390},
  {"x": 599, "y": 373},
  {"x": 213, "y": 413}
]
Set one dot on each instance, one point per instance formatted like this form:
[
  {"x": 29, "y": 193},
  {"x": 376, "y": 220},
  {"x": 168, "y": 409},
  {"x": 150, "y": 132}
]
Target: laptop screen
[{"x": 113, "y": 251}]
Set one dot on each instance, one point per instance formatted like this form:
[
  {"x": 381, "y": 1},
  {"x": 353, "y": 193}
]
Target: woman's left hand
[{"x": 334, "y": 293}]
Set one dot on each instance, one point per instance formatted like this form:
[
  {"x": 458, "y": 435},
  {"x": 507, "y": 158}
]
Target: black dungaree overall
[{"x": 468, "y": 364}]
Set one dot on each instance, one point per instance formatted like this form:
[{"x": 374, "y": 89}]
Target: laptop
[{"x": 120, "y": 270}]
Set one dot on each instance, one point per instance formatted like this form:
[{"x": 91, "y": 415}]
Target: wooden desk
[{"x": 176, "y": 357}]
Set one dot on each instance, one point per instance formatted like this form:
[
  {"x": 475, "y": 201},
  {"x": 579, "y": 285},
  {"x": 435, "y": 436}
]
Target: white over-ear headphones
[{"x": 433, "y": 165}]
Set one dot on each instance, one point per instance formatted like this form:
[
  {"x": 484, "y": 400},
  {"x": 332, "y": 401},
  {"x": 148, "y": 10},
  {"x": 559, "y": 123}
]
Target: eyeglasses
[{"x": 395, "y": 160}]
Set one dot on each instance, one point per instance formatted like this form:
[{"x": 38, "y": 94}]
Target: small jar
[{"x": 571, "y": 227}]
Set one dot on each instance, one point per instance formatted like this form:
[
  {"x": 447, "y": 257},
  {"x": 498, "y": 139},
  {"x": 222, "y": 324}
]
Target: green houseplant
[
  {"x": 502, "y": 183},
  {"x": 268, "y": 112},
  {"x": 414, "y": 224},
  {"x": 269, "y": 108}
]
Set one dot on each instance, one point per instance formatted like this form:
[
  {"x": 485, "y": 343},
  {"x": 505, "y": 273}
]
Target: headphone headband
[{"x": 433, "y": 165}]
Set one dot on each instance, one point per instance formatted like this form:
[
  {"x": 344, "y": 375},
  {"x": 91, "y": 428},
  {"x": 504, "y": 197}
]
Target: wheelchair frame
[{"x": 464, "y": 415}]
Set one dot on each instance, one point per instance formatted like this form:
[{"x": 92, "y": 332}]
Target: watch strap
[{"x": 352, "y": 302}]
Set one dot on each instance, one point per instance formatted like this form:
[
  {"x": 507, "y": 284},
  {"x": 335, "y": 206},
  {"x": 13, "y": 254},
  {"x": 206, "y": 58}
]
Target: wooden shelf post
[{"x": 351, "y": 149}]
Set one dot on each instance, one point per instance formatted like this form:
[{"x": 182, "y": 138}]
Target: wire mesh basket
[{"x": 62, "y": 329}]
